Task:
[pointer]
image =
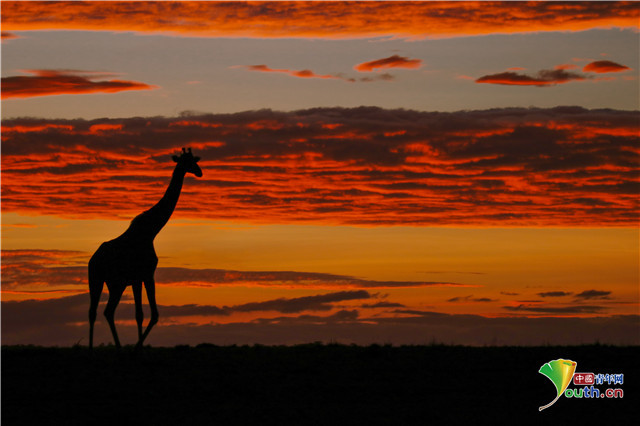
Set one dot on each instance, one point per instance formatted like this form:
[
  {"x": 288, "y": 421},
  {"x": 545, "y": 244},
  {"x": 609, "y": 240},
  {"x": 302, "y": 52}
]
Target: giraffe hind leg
[
  {"x": 137, "y": 296},
  {"x": 150, "y": 287},
  {"x": 96, "y": 285},
  {"x": 115, "y": 293}
]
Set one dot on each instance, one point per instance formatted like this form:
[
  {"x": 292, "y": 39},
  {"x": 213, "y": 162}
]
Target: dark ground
[{"x": 307, "y": 384}]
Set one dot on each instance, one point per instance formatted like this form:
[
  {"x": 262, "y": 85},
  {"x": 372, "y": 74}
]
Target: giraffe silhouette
[{"x": 131, "y": 259}]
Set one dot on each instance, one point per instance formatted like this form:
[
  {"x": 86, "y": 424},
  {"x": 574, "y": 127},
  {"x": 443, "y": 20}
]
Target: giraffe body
[
  {"x": 131, "y": 260},
  {"x": 124, "y": 260}
]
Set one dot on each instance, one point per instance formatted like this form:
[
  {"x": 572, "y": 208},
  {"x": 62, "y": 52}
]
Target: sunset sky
[{"x": 390, "y": 172}]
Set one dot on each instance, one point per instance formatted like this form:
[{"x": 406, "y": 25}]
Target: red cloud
[
  {"x": 64, "y": 82},
  {"x": 333, "y": 20},
  {"x": 394, "y": 61},
  {"x": 8, "y": 36},
  {"x": 363, "y": 166},
  {"x": 604, "y": 66},
  {"x": 543, "y": 78}
]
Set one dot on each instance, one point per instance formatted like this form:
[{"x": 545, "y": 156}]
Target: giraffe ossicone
[{"x": 131, "y": 260}]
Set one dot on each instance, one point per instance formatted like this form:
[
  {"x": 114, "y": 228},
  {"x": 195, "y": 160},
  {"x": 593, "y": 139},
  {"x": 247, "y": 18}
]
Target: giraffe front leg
[
  {"x": 137, "y": 297},
  {"x": 150, "y": 286}
]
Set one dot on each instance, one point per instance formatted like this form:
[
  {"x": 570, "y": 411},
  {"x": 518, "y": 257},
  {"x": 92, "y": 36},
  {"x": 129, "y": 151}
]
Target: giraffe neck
[{"x": 149, "y": 223}]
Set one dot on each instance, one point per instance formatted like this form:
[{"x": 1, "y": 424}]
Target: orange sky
[{"x": 404, "y": 172}]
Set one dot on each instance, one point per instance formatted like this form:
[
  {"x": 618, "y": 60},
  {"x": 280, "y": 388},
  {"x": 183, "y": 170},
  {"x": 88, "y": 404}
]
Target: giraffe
[{"x": 131, "y": 259}]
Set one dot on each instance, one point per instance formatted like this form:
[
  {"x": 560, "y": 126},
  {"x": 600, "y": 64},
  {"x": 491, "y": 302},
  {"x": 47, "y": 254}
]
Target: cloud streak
[
  {"x": 558, "y": 75},
  {"x": 604, "y": 67},
  {"x": 310, "y": 74},
  {"x": 42, "y": 269},
  {"x": 332, "y": 20},
  {"x": 321, "y": 302},
  {"x": 554, "y": 294},
  {"x": 557, "y": 310},
  {"x": 208, "y": 277},
  {"x": 64, "y": 82},
  {"x": 294, "y": 73},
  {"x": 8, "y": 36},
  {"x": 541, "y": 79},
  {"x": 470, "y": 298},
  {"x": 358, "y": 166},
  {"x": 593, "y": 294},
  {"x": 394, "y": 61}
]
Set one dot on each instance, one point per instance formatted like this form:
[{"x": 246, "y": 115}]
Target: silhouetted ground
[{"x": 311, "y": 384}]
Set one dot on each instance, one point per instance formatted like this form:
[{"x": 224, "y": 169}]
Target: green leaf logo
[{"x": 560, "y": 372}]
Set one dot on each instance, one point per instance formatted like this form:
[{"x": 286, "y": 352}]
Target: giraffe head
[{"x": 188, "y": 162}]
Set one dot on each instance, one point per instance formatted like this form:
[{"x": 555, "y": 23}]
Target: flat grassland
[{"x": 313, "y": 384}]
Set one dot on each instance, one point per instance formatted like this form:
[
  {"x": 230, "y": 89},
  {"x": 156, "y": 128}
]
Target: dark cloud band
[
  {"x": 63, "y": 322},
  {"x": 563, "y": 166}
]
